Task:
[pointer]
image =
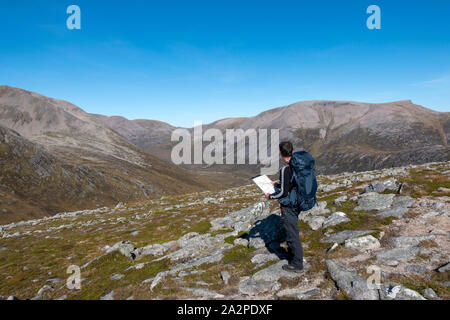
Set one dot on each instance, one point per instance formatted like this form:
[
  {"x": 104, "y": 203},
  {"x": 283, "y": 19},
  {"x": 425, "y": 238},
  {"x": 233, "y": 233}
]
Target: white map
[{"x": 264, "y": 183}]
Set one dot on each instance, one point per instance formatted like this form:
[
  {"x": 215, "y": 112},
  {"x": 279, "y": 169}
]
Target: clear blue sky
[{"x": 186, "y": 60}]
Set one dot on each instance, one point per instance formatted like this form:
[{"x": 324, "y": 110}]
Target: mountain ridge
[{"x": 343, "y": 136}]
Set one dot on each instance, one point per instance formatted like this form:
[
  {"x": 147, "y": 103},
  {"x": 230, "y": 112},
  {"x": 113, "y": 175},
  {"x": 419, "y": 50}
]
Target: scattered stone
[
  {"x": 417, "y": 268},
  {"x": 374, "y": 201},
  {"x": 429, "y": 214},
  {"x": 397, "y": 254},
  {"x": 241, "y": 242},
  {"x": 334, "y": 246},
  {"x": 329, "y": 187},
  {"x": 408, "y": 241},
  {"x": 42, "y": 292},
  {"x": 381, "y": 186},
  {"x": 297, "y": 293},
  {"x": 252, "y": 287},
  {"x": 117, "y": 276},
  {"x": 109, "y": 296},
  {"x": 430, "y": 294},
  {"x": 442, "y": 189},
  {"x": 55, "y": 280},
  {"x": 335, "y": 219},
  {"x": 119, "y": 205},
  {"x": 395, "y": 291},
  {"x": 225, "y": 276},
  {"x": 319, "y": 209},
  {"x": 155, "y": 249},
  {"x": 363, "y": 243},
  {"x": 256, "y": 243},
  {"x": 344, "y": 235},
  {"x": 124, "y": 247},
  {"x": 338, "y": 201},
  {"x": 444, "y": 268},
  {"x": 275, "y": 272},
  {"x": 203, "y": 283},
  {"x": 315, "y": 222},
  {"x": 242, "y": 226},
  {"x": 263, "y": 258},
  {"x": 204, "y": 293},
  {"x": 350, "y": 282},
  {"x": 222, "y": 223}
]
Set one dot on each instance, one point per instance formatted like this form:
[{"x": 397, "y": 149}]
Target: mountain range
[{"x": 56, "y": 157}]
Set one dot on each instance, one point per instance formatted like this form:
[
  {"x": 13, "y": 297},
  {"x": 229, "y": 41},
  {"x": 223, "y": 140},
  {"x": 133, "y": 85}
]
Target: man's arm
[{"x": 283, "y": 186}]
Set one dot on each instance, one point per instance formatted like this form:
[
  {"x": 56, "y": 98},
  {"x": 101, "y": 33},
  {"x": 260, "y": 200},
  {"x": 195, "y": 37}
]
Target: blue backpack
[{"x": 304, "y": 175}]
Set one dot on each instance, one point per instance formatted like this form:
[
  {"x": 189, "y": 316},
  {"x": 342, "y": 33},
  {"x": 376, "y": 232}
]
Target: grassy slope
[{"x": 48, "y": 252}]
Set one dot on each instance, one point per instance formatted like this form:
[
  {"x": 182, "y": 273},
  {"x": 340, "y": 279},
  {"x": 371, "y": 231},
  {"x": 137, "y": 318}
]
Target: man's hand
[
  {"x": 273, "y": 182},
  {"x": 267, "y": 196}
]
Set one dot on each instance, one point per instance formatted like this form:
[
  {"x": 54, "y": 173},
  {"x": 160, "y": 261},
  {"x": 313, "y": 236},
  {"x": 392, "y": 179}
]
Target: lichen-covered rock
[
  {"x": 400, "y": 206},
  {"x": 319, "y": 209},
  {"x": 363, "y": 243},
  {"x": 298, "y": 293},
  {"x": 250, "y": 286},
  {"x": 225, "y": 276},
  {"x": 338, "y": 201},
  {"x": 315, "y": 222},
  {"x": 390, "y": 256},
  {"x": 109, "y": 296},
  {"x": 430, "y": 294},
  {"x": 409, "y": 241},
  {"x": 444, "y": 268},
  {"x": 124, "y": 247},
  {"x": 204, "y": 293},
  {"x": 395, "y": 291},
  {"x": 155, "y": 249},
  {"x": 340, "y": 237},
  {"x": 335, "y": 219},
  {"x": 275, "y": 272},
  {"x": 262, "y": 258},
  {"x": 351, "y": 283},
  {"x": 381, "y": 186},
  {"x": 374, "y": 201}
]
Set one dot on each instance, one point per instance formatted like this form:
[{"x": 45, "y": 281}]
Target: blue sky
[{"x": 180, "y": 61}]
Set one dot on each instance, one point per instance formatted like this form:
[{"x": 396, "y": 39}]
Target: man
[{"x": 283, "y": 191}]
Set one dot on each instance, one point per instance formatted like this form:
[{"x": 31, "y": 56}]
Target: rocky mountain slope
[
  {"x": 103, "y": 163},
  {"x": 342, "y": 135},
  {"x": 229, "y": 244}
]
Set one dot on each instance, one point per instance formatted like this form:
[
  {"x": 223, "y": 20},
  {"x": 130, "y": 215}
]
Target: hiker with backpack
[{"x": 296, "y": 192}]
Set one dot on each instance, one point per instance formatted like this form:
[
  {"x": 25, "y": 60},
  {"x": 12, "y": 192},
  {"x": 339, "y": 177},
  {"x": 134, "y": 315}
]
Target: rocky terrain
[{"x": 230, "y": 244}]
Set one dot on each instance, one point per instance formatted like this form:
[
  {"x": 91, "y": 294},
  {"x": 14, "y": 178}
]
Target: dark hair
[{"x": 286, "y": 148}]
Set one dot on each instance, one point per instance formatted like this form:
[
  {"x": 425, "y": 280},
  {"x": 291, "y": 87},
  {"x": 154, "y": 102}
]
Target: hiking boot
[{"x": 291, "y": 268}]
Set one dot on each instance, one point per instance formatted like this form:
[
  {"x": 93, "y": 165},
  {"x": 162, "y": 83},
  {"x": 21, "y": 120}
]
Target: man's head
[{"x": 286, "y": 149}]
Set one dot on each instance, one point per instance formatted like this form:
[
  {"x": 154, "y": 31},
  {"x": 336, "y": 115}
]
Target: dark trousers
[{"x": 290, "y": 221}]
